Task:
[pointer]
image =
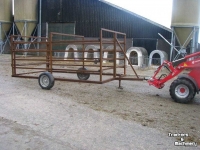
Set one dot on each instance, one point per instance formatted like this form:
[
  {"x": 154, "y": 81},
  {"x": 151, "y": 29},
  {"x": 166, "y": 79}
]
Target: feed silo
[
  {"x": 5, "y": 20},
  {"x": 25, "y": 16},
  {"x": 185, "y": 24}
]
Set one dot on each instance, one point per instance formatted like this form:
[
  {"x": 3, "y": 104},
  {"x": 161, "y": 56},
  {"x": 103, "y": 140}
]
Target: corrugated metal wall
[{"x": 91, "y": 15}]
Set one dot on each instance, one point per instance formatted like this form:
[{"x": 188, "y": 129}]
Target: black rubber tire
[
  {"x": 46, "y": 80},
  {"x": 83, "y": 76},
  {"x": 188, "y": 91}
]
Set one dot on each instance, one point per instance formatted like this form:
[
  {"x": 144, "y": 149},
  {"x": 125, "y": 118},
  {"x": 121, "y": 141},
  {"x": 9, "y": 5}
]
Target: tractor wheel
[
  {"x": 46, "y": 80},
  {"x": 83, "y": 76},
  {"x": 182, "y": 91}
]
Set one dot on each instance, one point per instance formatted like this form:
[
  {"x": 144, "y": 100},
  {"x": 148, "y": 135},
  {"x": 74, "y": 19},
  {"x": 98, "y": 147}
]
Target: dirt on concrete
[{"x": 137, "y": 102}]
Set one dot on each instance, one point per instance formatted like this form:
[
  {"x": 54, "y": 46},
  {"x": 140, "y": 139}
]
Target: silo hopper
[
  {"x": 25, "y": 16},
  {"x": 5, "y": 21},
  {"x": 185, "y": 25}
]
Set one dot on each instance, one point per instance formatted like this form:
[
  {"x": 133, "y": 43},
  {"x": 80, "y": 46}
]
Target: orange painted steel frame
[{"x": 49, "y": 61}]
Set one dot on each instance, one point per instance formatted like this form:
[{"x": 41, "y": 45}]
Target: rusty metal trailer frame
[{"x": 49, "y": 62}]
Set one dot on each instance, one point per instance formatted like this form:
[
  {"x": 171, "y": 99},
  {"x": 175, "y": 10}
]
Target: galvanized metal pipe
[
  {"x": 1, "y": 40},
  {"x": 172, "y": 44},
  {"x": 39, "y": 27}
]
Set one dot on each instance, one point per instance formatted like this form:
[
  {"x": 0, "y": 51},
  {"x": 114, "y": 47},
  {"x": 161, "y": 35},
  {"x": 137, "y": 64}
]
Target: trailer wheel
[
  {"x": 182, "y": 91},
  {"x": 83, "y": 76},
  {"x": 46, "y": 80}
]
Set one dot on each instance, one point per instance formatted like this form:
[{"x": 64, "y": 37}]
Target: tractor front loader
[{"x": 184, "y": 88}]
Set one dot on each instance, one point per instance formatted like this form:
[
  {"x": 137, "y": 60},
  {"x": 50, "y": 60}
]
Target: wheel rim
[
  {"x": 82, "y": 76},
  {"x": 182, "y": 91},
  {"x": 44, "y": 80}
]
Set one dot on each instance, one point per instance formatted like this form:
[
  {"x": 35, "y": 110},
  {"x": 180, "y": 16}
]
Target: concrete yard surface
[{"x": 78, "y": 116}]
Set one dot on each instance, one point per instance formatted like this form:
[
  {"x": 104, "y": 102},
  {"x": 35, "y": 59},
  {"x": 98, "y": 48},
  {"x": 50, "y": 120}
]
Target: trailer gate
[{"x": 31, "y": 62}]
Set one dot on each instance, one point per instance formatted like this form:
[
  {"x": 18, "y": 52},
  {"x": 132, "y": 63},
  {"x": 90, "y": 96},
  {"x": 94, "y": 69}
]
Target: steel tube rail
[
  {"x": 57, "y": 64},
  {"x": 103, "y": 29},
  {"x": 128, "y": 61}
]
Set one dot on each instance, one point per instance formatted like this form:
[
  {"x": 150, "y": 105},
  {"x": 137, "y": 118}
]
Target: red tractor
[{"x": 184, "y": 88}]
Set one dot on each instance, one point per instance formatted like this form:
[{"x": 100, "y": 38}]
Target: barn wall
[{"x": 90, "y": 16}]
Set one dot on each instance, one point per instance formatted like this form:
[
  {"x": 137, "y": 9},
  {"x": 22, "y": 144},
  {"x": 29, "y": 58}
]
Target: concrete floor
[{"x": 36, "y": 119}]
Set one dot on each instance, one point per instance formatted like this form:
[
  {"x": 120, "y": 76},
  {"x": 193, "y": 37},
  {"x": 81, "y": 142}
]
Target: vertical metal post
[
  {"x": 47, "y": 30},
  {"x": 172, "y": 44},
  {"x": 101, "y": 57},
  {"x": 50, "y": 53},
  {"x": 25, "y": 38},
  {"x": 40, "y": 18},
  {"x": 125, "y": 54},
  {"x": 13, "y": 28},
  {"x": 13, "y": 56},
  {"x": 197, "y": 38},
  {"x": 115, "y": 57},
  {"x": 47, "y": 55},
  {"x": 38, "y": 40},
  {"x": 83, "y": 53},
  {"x": 25, "y": 30},
  {"x": 1, "y": 40},
  {"x": 0, "y": 31},
  {"x": 11, "y": 50},
  {"x": 48, "y": 47},
  {"x": 39, "y": 27},
  {"x": 120, "y": 87},
  {"x": 193, "y": 44}
]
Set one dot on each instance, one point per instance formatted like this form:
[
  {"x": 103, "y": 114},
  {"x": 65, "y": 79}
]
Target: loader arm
[
  {"x": 161, "y": 77},
  {"x": 190, "y": 62}
]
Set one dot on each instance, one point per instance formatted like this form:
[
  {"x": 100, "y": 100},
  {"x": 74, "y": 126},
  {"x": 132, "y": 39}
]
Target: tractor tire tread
[
  {"x": 177, "y": 99},
  {"x": 51, "y": 80}
]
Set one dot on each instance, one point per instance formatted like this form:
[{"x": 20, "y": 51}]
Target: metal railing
[
  {"x": 51, "y": 59},
  {"x": 145, "y": 61}
]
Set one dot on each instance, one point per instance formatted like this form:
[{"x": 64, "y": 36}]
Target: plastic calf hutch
[{"x": 43, "y": 63}]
